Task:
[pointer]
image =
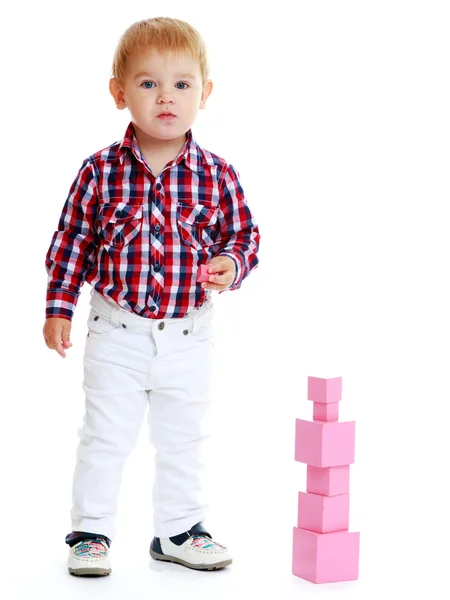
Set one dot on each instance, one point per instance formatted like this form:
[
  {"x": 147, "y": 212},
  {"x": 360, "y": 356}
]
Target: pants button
[
  {"x": 161, "y": 326},
  {"x": 185, "y": 332}
]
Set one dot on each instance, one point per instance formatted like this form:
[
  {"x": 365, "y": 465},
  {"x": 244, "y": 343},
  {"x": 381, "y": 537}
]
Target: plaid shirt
[{"x": 139, "y": 240}]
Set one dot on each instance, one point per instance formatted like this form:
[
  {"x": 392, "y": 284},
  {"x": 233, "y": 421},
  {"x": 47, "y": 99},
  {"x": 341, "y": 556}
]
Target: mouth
[{"x": 166, "y": 116}]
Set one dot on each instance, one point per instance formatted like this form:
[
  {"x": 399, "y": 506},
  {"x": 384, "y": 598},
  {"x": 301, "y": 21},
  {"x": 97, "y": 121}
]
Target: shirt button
[
  {"x": 157, "y": 227},
  {"x": 119, "y": 214},
  {"x": 157, "y": 267},
  {"x": 158, "y": 186},
  {"x": 152, "y": 308},
  {"x": 161, "y": 326},
  {"x": 198, "y": 217}
]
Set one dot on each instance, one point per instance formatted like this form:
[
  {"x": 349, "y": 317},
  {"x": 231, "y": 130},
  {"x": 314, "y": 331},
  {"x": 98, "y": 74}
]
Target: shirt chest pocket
[
  {"x": 196, "y": 224},
  {"x": 120, "y": 223}
]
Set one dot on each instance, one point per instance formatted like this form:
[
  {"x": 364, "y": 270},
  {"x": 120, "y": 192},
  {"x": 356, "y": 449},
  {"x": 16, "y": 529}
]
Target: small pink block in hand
[{"x": 202, "y": 273}]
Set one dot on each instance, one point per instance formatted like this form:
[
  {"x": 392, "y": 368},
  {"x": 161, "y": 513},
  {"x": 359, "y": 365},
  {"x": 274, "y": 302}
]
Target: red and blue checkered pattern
[{"x": 139, "y": 239}]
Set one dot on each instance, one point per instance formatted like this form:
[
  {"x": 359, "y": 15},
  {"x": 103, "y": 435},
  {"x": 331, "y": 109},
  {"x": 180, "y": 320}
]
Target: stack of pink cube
[{"x": 324, "y": 550}]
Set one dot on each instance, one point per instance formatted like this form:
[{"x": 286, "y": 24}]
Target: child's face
[{"x": 157, "y": 82}]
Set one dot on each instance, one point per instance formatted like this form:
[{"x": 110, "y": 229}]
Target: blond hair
[{"x": 163, "y": 34}]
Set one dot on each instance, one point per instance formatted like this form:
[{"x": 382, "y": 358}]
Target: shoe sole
[
  {"x": 200, "y": 567},
  {"x": 86, "y": 572}
]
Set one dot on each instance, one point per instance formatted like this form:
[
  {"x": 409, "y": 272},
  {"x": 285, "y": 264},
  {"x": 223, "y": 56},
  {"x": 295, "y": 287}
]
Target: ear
[
  {"x": 117, "y": 93},
  {"x": 207, "y": 89}
]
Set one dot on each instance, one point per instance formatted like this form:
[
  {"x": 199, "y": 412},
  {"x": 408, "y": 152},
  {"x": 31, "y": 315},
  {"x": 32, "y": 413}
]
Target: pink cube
[
  {"x": 328, "y": 481},
  {"x": 325, "y": 444},
  {"x": 325, "y": 390},
  {"x": 325, "y": 557},
  {"x": 325, "y": 412},
  {"x": 202, "y": 273},
  {"x": 323, "y": 513}
]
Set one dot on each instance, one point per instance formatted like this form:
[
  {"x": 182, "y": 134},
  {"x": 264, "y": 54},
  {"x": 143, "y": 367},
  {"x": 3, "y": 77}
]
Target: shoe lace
[
  {"x": 91, "y": 548},
  {"x": 202, "y": 541}
]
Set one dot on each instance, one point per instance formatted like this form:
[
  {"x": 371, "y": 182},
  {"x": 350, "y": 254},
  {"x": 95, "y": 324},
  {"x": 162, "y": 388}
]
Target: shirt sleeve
[
  {"x": 238, "y": 236},
  {"x": 73, "y": 249}
]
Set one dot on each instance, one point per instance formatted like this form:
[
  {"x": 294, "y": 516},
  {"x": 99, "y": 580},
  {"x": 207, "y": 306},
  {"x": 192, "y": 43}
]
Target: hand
[
  {"x": 57, "y": 334},
  {"x": 224, "y": 270}
]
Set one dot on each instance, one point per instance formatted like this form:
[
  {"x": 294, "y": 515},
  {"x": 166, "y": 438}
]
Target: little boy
[{"x": 140, "y": 219}]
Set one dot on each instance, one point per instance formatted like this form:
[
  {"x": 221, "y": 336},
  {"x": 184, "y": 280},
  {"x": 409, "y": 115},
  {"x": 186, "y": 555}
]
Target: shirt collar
[{"x": 191, "y": 153}]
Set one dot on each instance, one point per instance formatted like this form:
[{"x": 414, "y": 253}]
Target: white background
[{"x": 336, "y": 114}]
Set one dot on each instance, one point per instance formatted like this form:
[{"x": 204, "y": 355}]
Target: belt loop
[
  {"x": 115, "y": 316},
  {"x": 201, "y": 314},
  {"x": 194, "y": 325}
]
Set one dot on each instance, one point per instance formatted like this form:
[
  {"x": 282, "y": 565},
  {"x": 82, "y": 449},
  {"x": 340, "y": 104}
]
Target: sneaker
[
  {"x": 90, "y": 557},
  {"x": 194, "y": 549}
]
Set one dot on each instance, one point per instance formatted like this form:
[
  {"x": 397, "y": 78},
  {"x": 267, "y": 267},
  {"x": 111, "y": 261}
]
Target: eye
[{"x": 147, "y": 85}]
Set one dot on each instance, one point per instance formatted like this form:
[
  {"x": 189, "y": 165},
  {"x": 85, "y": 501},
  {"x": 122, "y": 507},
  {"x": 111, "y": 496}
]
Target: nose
[{"x": 165, "y": 96}]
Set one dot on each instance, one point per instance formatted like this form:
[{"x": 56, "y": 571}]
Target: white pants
[{"x": 128, "y": 361}]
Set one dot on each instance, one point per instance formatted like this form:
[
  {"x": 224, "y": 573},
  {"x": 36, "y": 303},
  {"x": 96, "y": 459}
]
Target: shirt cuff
[{"x": 60, "y": 303}]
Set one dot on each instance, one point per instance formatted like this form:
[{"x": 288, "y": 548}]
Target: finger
[
  {"x": 49, "y": 342},
  {"x": 215, "y": 270},
  {"x": 218, "y": 264},
  {"x": 221, "y": 269},
  {"x": 213, "y": 286},
  {"x": 56, "y": 345},
  {"x": 66, "y": 335},
  {"x": 224, "y": 279}
]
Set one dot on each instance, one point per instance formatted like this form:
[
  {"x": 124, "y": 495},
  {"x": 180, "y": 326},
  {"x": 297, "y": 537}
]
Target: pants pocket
[
  {"x": 98, "y": 324},
  {"x": 204, "y": 332}
]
